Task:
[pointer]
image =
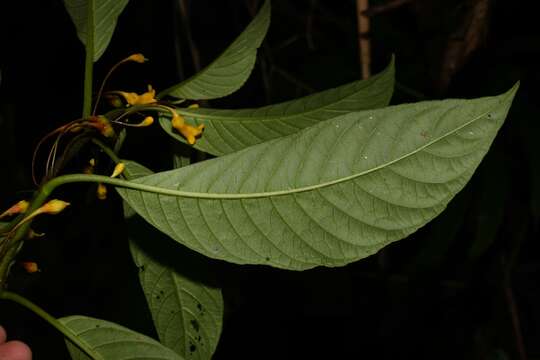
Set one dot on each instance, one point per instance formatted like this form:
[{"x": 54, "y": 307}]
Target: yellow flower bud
[
  {"x": 53, "y": 207},
  {"x": 193, "y": 106},
  {"x": 30, "y": 266},
  {"x": 137, "y": 58},
  {"x": 101, "y": 192},
  {"x": 18, "y": 208},
  {"x": 146, "y": 122},
  {"x": 118, "y": 169},
  {"x": 89, "y": 169}
]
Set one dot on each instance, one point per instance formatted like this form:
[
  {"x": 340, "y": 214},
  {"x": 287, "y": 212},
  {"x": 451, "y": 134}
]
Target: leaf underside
[
  {"x": 231, "y": 69},
  {"x": 105, "y": 13},
  {"x": 227, "y": 131},
  {"x": 111, "y": 341},
  {"x": 330, "y": 194},
  {"x": 186, "y": 311}
]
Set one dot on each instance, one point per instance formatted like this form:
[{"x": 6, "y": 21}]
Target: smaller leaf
[
  {"x": 186, "y": 308},
  {"x": 111, "y": 341},
  {"x": 227, "y": 131},
  {"x": 104, "y": 14},
  {"x": 231, "y": 69}
]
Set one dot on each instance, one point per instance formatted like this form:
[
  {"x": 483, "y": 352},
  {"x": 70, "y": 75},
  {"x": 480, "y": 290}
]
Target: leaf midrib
[{"x": 224, "y": 196}]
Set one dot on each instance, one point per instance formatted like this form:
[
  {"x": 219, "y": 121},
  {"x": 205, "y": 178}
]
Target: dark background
[{"x": 465, "y": 286}]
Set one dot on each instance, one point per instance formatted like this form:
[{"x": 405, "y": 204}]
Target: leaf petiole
[{"x": 8, "y": 295}]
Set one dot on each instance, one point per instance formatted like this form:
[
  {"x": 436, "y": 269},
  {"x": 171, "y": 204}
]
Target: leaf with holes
[
  {"x": 330, "y": 194},
  {"x": 186, "y": 306},
  {"x": 231, "y": 69},
  {"x": 227, "y": 131},
  {"x": 95, "y": 21},
  {"x": 107, "y": 340}
]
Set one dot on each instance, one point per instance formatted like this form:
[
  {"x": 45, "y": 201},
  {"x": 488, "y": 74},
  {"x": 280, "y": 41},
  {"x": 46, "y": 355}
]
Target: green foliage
[
  {"x": 95, "y": 21},
  {"x": 111, "y": 341},
  {"x": 227, "y": 131},
  {"x": 330, "y": 194},
  {"x": 323, "y": 180},
  {"x": 187, "y": 313},
  {"x": 231, "y": 69}
]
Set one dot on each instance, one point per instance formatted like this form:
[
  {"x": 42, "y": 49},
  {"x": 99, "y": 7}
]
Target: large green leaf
[
  {"x": 231, "y": 69},
  {"x": 186, "y": 309},
  {"x": 227, "y": 131},
  {"x": 330, "y": 194},
  {"x": 97, "y": 19},
  {"x": 111, "y": 341}
]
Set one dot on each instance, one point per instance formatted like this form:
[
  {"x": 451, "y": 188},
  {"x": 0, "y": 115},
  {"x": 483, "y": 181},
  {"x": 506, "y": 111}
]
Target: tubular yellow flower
[
  {"x": 101, "y": 192},
  {"x": 177, "y": 121},
  {"x": 132, "y": 98},
  {"x": 118, "y": 169},
  {"x": 186, "y": 130},
  {"x": 191, "y": 132},
  {"x": 18, "y": 208},
  {"x": 30, "y": 266},
  {"x": 148, "y": 97}
]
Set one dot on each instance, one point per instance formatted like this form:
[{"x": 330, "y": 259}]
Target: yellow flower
[
  {"x": 118, "y": 169},
  {"x": 146, "y": 122},
  {"x": 187, "y": 131},
  {"x": 52, "y": 207},
  {"x": 191, "y": 132},
  {"x": 30, "y": 266},
  {"x": 18, "y": 208},
  {"x": 137, "y": 58},
  {"x": 101, "y": 192},
  {"x": 132, "y": 98}
]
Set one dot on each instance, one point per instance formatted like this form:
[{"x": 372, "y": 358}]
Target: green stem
[
  {"x": 120, "y": 141},
  {"x": 107, "y": 150},
  {"x": 89, "y": 62},
  {"x": 7, "y": 295}
]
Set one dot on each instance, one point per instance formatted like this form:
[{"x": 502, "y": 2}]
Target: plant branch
[
  {"x": 364, "y": 44},
  {"x": 89, "y": 63},
  {"x": 388, "y": 6},
  {"x": 514, "y": 316},
  {"x": 7, "y": 295}
]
